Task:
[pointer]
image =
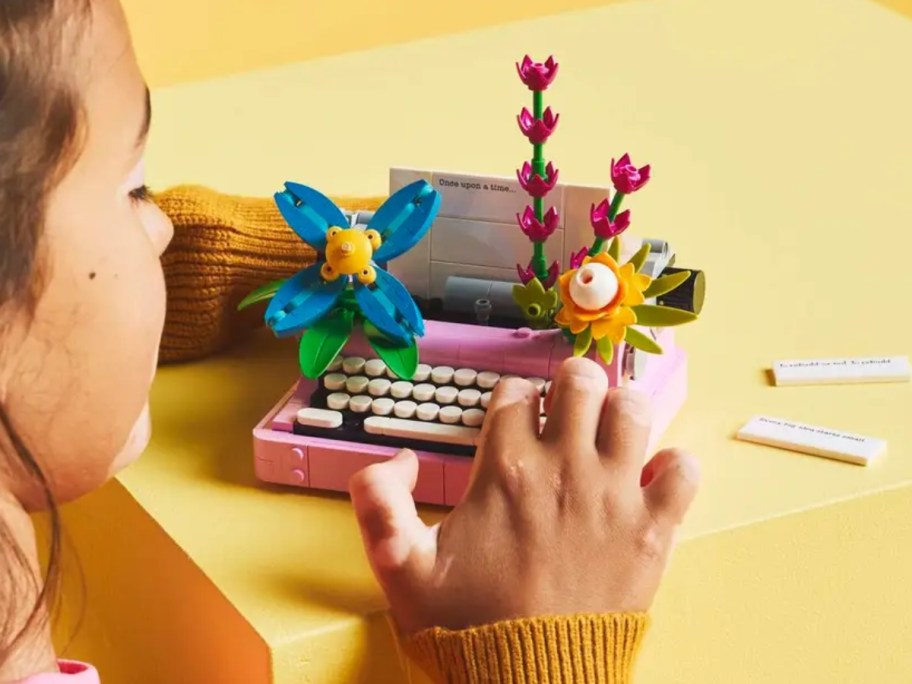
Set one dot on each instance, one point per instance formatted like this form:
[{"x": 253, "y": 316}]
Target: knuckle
[
  {"x": 649, "y": 542},
  {"x": 630, "y": 405}
]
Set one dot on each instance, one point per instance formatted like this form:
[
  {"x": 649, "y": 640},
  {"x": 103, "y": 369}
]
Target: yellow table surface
[{"x": 779, "y": 134}]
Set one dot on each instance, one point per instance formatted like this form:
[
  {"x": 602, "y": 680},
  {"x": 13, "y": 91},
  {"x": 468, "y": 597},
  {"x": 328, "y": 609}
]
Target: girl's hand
[{"x": 563, "y": 523}]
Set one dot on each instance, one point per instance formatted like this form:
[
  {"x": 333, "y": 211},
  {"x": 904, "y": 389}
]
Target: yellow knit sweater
[{"x": 224, "y": 247}]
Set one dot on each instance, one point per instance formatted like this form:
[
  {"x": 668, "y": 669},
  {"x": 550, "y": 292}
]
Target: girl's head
[{"x": 82, "y": 297}]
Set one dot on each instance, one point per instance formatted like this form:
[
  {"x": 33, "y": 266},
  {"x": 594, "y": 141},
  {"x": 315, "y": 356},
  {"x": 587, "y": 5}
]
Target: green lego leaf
[
  {"x": 323, "y": 341},
  {"x": 261, "y": 294},
  {"x": 661, "y": 316},
  {"x": 642, "y": 342},
  {"x": 605, "y": 349},
  {"x": 639, "y": 259},
  {"x": 583, "y": 342},
  {"x": 402, "y": 361},
  {"x": 666, "y": 284},
  {"x": 614, "y": 249}
]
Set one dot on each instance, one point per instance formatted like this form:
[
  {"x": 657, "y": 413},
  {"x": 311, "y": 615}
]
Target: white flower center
[{"x": 593, "y": 286}]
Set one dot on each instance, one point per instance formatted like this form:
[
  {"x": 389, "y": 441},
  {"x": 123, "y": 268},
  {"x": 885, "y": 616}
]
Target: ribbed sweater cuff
[{"x": 578, "y": 649}]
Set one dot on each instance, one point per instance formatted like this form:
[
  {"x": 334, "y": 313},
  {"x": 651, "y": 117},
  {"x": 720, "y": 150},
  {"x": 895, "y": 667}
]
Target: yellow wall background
[{"x": 188, "y": 40}]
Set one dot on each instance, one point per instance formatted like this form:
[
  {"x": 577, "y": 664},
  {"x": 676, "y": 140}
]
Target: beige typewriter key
[
  {"x": 428, "y": 432},
  {"x": 547, "y": 386},
  {"x": 450, "y": 415},
  {"x": 374, "y": 368},
  {"x": 427, "y": 411},
  {"x": 487, "y": 379},
  {"x": 446, "y": 395},
  {"x": 401, "y": 389},
  {"x": 405, "y": 409},
  {"x": 423, "y": 392},
  {"x": 473, "y": 417},
  {"x": 334, "y": 382},
  {"x": 469, "y": 397},
  {"x": 360, "y": 404},
  {"x": 335, "y": 365},
  {"x": 464, "y": 377},
  {"x": 383, "y": 406},
  {"x": 353, "y": 365},
  {"x": 422, "y": 373},
  {"x": 338, "y": 401},
  {"x": 379, "y": 387},
  {"x": 485, "y": 399},
  {"x": 539, "y": 383},
  {"x": 321, "y": 418},
  {"x": 442, "y": 375},
  {"x": 356, "y": 384}
]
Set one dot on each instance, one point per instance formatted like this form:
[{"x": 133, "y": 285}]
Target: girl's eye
[{"x": 140, "y": 194}]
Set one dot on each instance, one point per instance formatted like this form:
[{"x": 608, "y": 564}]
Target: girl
[{"x": 545, "y": 572}]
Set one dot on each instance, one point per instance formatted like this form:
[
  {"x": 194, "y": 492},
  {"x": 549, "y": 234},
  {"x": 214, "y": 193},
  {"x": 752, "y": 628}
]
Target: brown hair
[{"x": 40, "y": 121}]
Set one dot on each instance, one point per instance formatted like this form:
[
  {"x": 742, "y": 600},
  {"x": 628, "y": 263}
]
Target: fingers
[
  {"x": 670, "y": 482},
  {"x": 512, "y": 417},
  {"x": 623, "y": 434},
  {"x": 575, "y": 406},
  {"x": 399, "y": 545}
]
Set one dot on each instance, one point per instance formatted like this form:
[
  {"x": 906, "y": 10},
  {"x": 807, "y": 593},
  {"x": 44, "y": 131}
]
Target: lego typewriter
[{"x": 412, "y": 314}]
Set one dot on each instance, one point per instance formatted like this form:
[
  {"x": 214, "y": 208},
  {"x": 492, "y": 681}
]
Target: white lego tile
[
  {"x": 479, "y": 243},
  {"x": 441, "y": 271},
  {"x": 486, "y": 198},
  {"x": 842, "y": 371},
  {"x": 812, "y": 439}
]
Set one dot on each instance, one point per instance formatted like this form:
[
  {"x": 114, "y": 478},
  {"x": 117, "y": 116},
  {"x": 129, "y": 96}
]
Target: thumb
[
  {"x": 670, "y": 482},
  {"x": 400, "y": 547}
]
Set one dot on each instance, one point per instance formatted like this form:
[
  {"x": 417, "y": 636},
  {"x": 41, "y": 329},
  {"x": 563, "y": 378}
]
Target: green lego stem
[
  {"x": 539, "y": 264},
  {"x": 599, "y": 242}
]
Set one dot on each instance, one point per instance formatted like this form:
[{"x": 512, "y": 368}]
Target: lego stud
[
  {"x": 349, "y": 252},
  {"x": 593, "y": 286}
]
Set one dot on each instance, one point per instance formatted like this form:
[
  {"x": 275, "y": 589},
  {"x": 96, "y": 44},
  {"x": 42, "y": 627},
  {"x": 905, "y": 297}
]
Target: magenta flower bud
[
  {"x": 525, "y": 274},
  {"x": 534, "y": 184},
  {"x": 553, "y": 270},
  {"x": 535, "y": 230},
  {"x": 605, "y": 227},
  {"x": 576, "y": 260},
  {"x": 626, "y": 177},
  {"x": 537, "y": 130},
  {"x": 535, "y": 75}
]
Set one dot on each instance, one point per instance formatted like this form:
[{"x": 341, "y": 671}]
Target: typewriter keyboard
[{"x": 441, "y": 408}]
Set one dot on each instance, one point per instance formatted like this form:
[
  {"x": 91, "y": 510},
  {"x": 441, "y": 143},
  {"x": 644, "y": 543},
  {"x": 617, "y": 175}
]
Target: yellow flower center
[
  {"x": 349, "y": 252},
  {"x": 593, "y": 286}
]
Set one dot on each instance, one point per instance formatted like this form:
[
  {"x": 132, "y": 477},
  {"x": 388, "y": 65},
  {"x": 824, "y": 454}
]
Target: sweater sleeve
[
  {"x": 577, "y": 649},
  {"x": 224, "y": 248}
]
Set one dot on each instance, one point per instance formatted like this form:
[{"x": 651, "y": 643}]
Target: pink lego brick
[{"x": 456, "y": 480}]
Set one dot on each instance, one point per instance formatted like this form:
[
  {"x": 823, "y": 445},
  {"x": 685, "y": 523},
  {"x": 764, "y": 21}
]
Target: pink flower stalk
[
  {"x": 534, "y": 184},
  {"x": 537, "y": 130},
  {"x": 626, "y": 177},
  {"x": 576, "y": 260},
  {"x": 603, "y": 226},
  {"x": 535, "y": 75},
  {"x": 527, "y": 274},
  {"x": 536, "y": 230}
]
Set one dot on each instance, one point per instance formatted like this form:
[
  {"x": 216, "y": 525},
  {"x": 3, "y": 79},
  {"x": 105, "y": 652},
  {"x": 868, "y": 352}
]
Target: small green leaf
[
  {"x": 323, "y": 341},
  {"x": 521, "y": 296},
  {"x": 402, "y": 361},
  {"x": 639, "y": 259},
  {"x": 606, "y": 350},
  {"x": 642, "y": 342},
  {"x": 261, "y": 294},
  {"x": 661, "y": 316},
  {"x": 582, "y": 343},
  {"x": 666, "y": 284},
  {"x": 614, "y": 249}
]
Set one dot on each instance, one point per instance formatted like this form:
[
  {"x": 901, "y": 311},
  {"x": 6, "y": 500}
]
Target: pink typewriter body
[{"x": 283, "y": 457}]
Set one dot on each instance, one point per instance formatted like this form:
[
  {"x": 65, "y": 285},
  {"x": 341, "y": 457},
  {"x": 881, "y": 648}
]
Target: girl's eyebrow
[{"x": 147, "y": 120}]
